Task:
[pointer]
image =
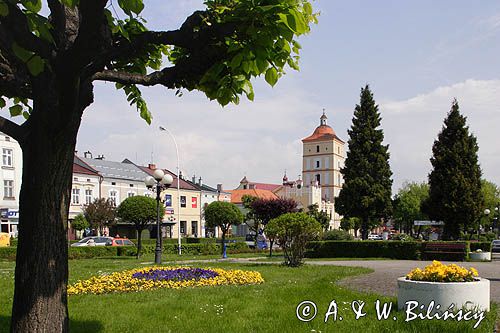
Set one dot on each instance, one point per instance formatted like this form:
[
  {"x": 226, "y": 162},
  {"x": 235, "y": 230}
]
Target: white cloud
[{"x": 412, "y": 125}]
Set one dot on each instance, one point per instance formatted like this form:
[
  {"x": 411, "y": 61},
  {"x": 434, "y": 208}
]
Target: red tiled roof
[
  {"x": 322, "y": 133},
  {"x": 81, "y": 170},
  {"x": 236, "y": 195},
  {"x": 263, "y": 186}
]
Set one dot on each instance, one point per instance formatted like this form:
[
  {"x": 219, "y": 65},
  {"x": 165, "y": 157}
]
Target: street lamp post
[
  {"x": 164, "y": 129},
  {"x": 162, "y": 181}
]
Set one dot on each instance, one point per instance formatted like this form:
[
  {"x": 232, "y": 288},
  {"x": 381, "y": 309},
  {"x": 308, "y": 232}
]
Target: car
[
  {"x": 92, "y": 241},
  {"x": 120, "y": 242},
  {"x": 495, "y": 245},
  {"x": 375, "y": 237}
]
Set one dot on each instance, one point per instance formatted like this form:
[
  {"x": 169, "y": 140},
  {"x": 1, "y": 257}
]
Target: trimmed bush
[
  {"x": 338, "y": 235},
  {"x": 364, "y": 249},
  {"x": 8, "y": 253},
  {"x": 200, "y": 249},
  {"x": 87, "y": 252}
]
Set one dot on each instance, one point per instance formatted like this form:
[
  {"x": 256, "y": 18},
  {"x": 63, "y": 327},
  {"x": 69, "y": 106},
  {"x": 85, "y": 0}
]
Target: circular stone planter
[
  {"x": 480, "y": 256},
  {"x": 471, "y": 295}
]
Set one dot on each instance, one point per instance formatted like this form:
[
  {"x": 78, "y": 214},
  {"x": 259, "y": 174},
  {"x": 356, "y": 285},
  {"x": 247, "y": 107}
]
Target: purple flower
[{"x": 179, "y": 274}]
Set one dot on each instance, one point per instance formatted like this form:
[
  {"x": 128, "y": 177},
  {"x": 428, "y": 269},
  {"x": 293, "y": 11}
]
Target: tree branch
[
  {"x": 11, "y": 129},
  {"x": 17, "y": 24},
  {"x": 65, "y": 21}
]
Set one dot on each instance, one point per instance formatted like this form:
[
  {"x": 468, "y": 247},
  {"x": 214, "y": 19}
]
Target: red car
[{"x": 120, "y": 242}]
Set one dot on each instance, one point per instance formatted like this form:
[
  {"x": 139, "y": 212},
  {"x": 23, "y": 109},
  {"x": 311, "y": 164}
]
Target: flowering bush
[
  {"x": 149, "y": 278},
  {"x": 438, "y": 272}
]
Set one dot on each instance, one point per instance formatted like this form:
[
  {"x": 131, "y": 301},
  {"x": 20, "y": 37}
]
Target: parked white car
[
  {"x": 375, "y": 237},
  {"x": 93, "y": 241}
]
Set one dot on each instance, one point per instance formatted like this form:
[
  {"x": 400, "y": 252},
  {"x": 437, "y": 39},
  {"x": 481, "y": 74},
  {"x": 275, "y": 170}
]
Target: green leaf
[
  {"x": 15, "y": 110},
  {"x": 2, "y": 103},
  {"x": 26, "y": 114},
  {"x": 262, "y": 64},
  {"x": 4, "y": 9},
  {"x": 32, "y": 5},
  {"x": 70, "y": 3},
  {"x": 21, "y": 53},
  {"x": 236, "y": 61},
  {"x": 271, "y": 76},
  {"x": 248, "y": 90},
  {"x": 308, "y": 9},
  {"x": 35, "y": 65},
  {"x": 131, "y": 6}
]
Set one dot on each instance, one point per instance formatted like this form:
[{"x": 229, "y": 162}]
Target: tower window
[
  {"x": 317, "y": 164},
  {"x": 317, "y": 149},
  {"x": 318, "y": 179}
]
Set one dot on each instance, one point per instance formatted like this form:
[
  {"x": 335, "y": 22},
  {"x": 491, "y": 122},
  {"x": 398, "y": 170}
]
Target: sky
[{"x": 417, "y": 56}]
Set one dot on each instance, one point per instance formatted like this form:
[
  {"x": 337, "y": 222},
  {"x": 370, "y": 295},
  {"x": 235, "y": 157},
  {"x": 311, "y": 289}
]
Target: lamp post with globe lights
[{"x": 162, "y": 181}]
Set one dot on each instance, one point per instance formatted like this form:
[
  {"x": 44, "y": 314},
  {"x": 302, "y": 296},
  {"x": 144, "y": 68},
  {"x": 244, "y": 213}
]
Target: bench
[{"x": 444, "y": 251}]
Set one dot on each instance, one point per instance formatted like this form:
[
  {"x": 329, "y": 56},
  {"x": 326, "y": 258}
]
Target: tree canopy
[
  {"x": 100, "y": 213},
  {"x": 407, "y": 205},
  {"x": 366, "y": 192},
  {"x": 455, "y": 179},
  {"x": 223, "y": 215},
  {"x": 50, "y": 61},
  {"x": 141, "y": 211}
]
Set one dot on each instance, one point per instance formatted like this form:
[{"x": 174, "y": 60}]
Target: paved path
[{"x": 384, "y": 278}]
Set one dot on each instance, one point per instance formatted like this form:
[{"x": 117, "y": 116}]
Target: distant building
[
  {"x": 10, "y": 180},
  {"x": 323, "y": 156},
  {"x": 247, "y": 185}
]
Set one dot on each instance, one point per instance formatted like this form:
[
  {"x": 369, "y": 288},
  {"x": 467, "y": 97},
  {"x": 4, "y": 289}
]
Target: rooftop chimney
[
  {"x": 200, "y": 182},
  {"x": 219, "y": 188},
  {"x": 99, "y": 157},
  {"x": 87, "y": 154},
  {"x": 193, "y": 179}
]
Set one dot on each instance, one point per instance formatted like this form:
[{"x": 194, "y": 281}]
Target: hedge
[
  {"x": 364, "y": 249},
  {"x": 484, "y": 246},
  {"x": 199, "y": 249},
  {"x": 84, "y": 252}
]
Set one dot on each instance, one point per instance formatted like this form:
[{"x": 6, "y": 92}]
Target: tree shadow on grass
[{"x": 75, "y": 325}]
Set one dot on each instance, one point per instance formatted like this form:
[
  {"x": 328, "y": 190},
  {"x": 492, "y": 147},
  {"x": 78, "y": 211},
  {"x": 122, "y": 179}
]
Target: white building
[{"x": 10, "y": 179}]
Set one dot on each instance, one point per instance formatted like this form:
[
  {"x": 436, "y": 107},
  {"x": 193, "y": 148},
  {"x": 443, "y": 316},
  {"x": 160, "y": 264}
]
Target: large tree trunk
[{"x": 40, "y": 298}]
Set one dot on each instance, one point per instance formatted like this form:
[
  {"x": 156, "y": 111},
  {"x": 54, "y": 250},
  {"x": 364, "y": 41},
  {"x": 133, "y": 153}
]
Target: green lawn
[{"x": 270, "y": 307}]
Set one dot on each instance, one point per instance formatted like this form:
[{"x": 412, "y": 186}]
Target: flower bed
[
  {"x": 150, "y": 278},
  {"x": 444, "y": 285}
]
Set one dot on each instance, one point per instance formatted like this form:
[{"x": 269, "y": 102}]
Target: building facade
[{"x": 10, "y": 179}]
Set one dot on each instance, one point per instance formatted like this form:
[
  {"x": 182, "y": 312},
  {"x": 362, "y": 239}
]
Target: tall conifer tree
[
  {"x": 366, "y": 192},
  {"x": 455, "y": 180}
]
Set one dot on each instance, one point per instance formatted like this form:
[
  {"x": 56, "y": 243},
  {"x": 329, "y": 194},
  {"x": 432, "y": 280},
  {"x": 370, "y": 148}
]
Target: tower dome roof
[{"x": 323, "y": 132}]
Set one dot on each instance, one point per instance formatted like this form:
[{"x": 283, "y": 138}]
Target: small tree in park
[
  {"x": 321, "y": 216},
  {"x": 293, "y": 231},
  {"x": 80, "y": 222},
  {"x": 407, "y": 205},
  {"x": 455, "y": 180},
  {"x": 141, "y": 211},
  {"x": 100, "y": 213},
  {"x": 348, "y": 223},
  {"x": 366, "y": 192},
  {"x": 223, "y": 215},
  {"x": 264, "y": 210}
]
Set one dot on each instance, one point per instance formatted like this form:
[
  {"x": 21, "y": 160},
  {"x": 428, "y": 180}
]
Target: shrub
[
  {"x": 87, "y": 252},
  {"x": 364, "y": 249},
  {"x": 337, "y": 235},
  {"x": 8, "y": 253},
  {"x": 293, "y": 231},
  {"x": 483, "y": 246}
]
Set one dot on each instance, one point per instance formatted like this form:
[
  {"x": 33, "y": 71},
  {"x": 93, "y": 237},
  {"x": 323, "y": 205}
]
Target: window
[
  {"x": 131, "y": 185},
  {"x": 168, "y": 200},
  {"x": 317, "y": 149},
  {"x": 194, "y": 228},
  {"x": 75, "y": 196},
  {"x": 88, "y": 197},
  {"x": 183, "y": 227},
  {"x": 113, "y": 197},
  {"x": 194, "y": 202},
  {"x": 7, "y": 157},
  {"x": 130, "y": 194},
  {"x": 317, "y": 164},
  {"x": 318, "y": 179},
  {"x": 183, "y": 201},
  {"x": 113, "y": 183},
  {"x": 8, "y": 189},
  {"x": 244, "y": 187}
]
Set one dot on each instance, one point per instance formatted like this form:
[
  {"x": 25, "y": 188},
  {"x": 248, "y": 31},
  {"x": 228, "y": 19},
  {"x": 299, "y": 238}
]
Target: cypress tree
[
  {"x": 455, "y": 180},
  {"x": 366, "y": 192}
]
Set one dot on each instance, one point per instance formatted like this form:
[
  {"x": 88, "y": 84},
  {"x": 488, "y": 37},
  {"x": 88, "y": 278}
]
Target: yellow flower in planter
[{"x": 438, "y": 272}]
